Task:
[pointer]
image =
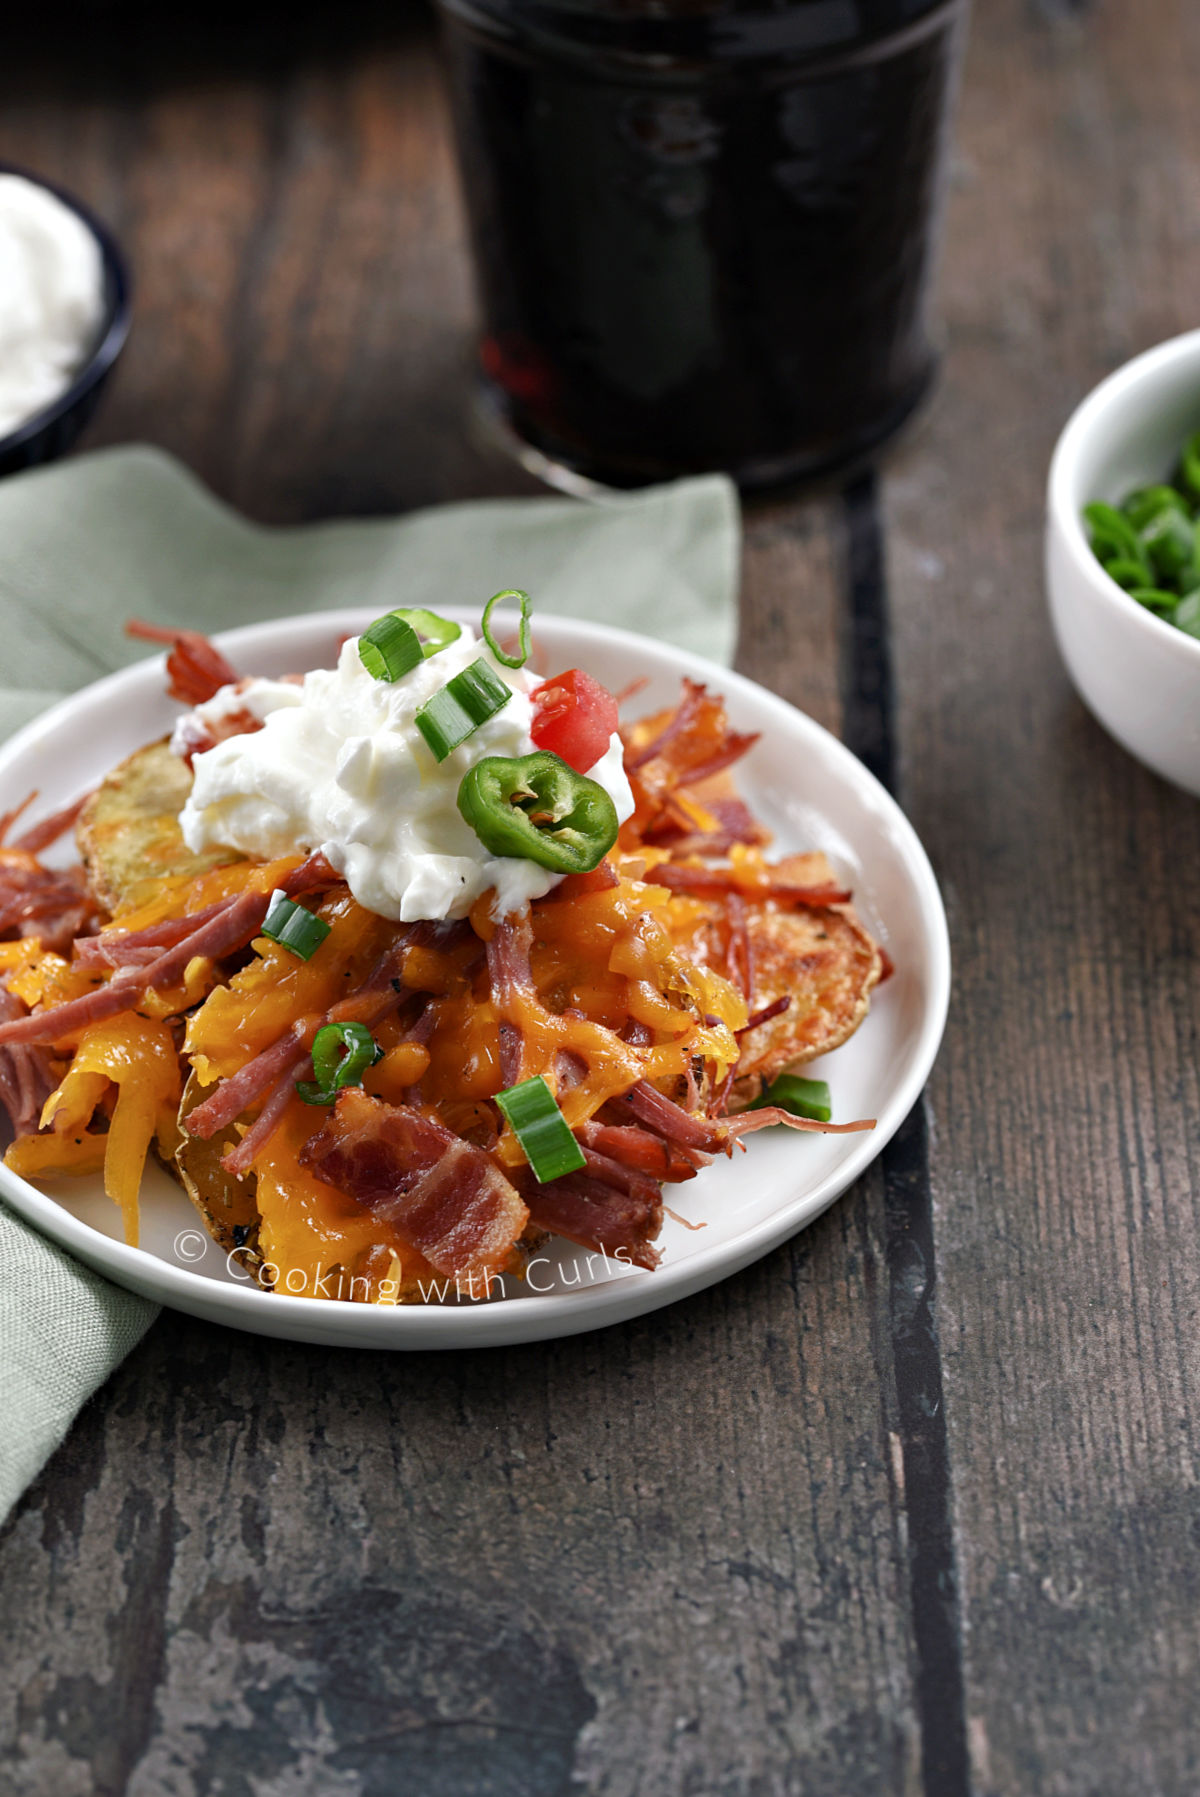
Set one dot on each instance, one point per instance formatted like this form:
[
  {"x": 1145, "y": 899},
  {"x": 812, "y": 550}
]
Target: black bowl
[{"x": 52, "y": 431}]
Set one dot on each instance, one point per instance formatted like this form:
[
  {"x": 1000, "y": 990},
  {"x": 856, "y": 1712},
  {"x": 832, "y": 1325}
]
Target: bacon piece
[
  {"x": 197, "y": 670},
  {"x": 448, "y": 1199},
  {"x": 684, "y": 877},
  {"x": 598, "y": 1215},
  {"x": 26, "y": 1077}
]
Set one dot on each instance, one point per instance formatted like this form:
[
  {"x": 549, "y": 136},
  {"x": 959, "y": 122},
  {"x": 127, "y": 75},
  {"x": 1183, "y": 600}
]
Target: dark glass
[{"x": 703, "y": 229}]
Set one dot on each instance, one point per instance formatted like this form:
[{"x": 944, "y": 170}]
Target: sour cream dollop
[
  {"x": 339, "y": 765},
  {"x": 51, "y": 298}
]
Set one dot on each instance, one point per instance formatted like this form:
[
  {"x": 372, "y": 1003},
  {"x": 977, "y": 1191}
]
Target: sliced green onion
[
  {"x": 1111, "y": 534},
  {"x": 341, "y": 1054},
  {"x": 460, "y": 707},
  {"x": 1170, "y": 540},
  {"x": 541, "y": 1129},
  {"x": 507, "y": 661},
  {"x": 1187, "y": 614},
  {"x": 1190, "y": 464},
  {"x": 294, "y": 928},
  {"x": 436, "y": 631},
  {"x": 1147, "y": 503},
  {"x": 390, "y": 648},
  {"x": 1161, "y": 603},
  {"x": 800, "y": 1097},
  {"x": 1127, "y": 574}
]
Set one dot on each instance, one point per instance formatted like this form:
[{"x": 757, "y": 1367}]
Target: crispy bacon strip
[
  {"x": 448, "y": 1199},
  {"x": 196, "y": 668}
]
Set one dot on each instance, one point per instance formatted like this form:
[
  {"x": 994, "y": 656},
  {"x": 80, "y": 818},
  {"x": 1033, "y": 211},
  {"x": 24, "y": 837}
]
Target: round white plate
[{"x": 800, "y": 780}]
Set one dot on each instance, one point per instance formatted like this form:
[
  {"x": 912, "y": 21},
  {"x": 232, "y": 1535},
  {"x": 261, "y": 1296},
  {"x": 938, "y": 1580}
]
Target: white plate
[{"x": 800, "y": 780}]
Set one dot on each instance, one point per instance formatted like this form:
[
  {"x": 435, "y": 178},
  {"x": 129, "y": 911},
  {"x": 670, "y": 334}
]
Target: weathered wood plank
[
  {"x": 670, "y": 1558},
  {"x": 1064, "y": 1145}
]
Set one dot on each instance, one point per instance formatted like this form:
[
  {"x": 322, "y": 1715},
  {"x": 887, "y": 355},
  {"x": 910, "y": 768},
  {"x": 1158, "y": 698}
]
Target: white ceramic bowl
[{"x": 1138, "y": 675}]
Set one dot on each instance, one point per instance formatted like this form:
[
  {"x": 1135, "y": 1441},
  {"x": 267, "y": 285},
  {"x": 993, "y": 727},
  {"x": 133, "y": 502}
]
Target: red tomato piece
[{"x": 574, "y": 717}]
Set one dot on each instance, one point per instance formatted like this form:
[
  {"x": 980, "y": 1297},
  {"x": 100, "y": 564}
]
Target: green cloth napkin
[{"x": 128, "y": 532}]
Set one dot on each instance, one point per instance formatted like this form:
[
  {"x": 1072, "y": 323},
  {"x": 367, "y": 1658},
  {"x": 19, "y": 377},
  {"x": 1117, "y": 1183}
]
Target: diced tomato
[{"x": 574, "y": 717}]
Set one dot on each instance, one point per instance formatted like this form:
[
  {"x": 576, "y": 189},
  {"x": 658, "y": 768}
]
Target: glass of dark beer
[{"x": 704, "y": 229}]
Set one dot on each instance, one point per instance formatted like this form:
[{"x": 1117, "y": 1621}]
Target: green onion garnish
[
  {"x": 341, "y": 1054},
  {"x": 436, "y": 631},
  {"x": 460, "y": 707},
  {"x": 1150, "y": 543},
  {"x": 801, "y": 1097},
  {"x": 507, "y": 661},
  {"x": 541, "y": 1129},
  {"x": 292, "y": 927},
  {"x": 390, "y": 648}
]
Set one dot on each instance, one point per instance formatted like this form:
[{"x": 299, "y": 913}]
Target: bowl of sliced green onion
[{"x": 1123, "y": 556}]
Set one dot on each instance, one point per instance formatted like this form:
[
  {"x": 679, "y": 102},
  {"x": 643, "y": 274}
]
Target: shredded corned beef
[
  {"x": 51, "y": 903},
  {"x": 598, "y": 1215},
  {"x": 40, "y": 836},
  {"x": 26, "y": 1076},
  {"x": 196, "y": 668},
  {"x": 234, "y": 924},
  {"x": 640, "y": 1149},
  {"x": 240, "y": 1158},
  {"x": 509, "y": 970},
  {"x": 684, "y": 877},
  {"x": 671, "y": 1121},
  {"x": 775, "y": 1009}
]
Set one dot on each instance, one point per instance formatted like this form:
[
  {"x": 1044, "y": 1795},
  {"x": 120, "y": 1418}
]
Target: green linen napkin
[{"x": 128, "y": 532}]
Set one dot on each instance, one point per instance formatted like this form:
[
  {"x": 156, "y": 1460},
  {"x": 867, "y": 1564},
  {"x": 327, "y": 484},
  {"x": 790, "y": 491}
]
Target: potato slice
[
  {"x": 128, "y": 832},
  {"x": 227, "y": 1204},
  {"x": 824, "y": 960}
]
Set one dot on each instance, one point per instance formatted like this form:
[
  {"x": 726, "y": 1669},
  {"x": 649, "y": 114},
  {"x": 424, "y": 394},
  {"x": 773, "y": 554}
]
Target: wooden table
[{"x": 910, "y": 1506}]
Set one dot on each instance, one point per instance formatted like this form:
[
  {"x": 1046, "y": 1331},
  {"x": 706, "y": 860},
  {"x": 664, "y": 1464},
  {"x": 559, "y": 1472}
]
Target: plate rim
[{"x": 430, "y": 1327}]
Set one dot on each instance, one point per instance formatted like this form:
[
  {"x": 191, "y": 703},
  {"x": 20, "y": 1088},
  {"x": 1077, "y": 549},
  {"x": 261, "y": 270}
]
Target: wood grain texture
[
  {"x": 668, "y": 1559},
  {"x": 1064, "y": 1151}
]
